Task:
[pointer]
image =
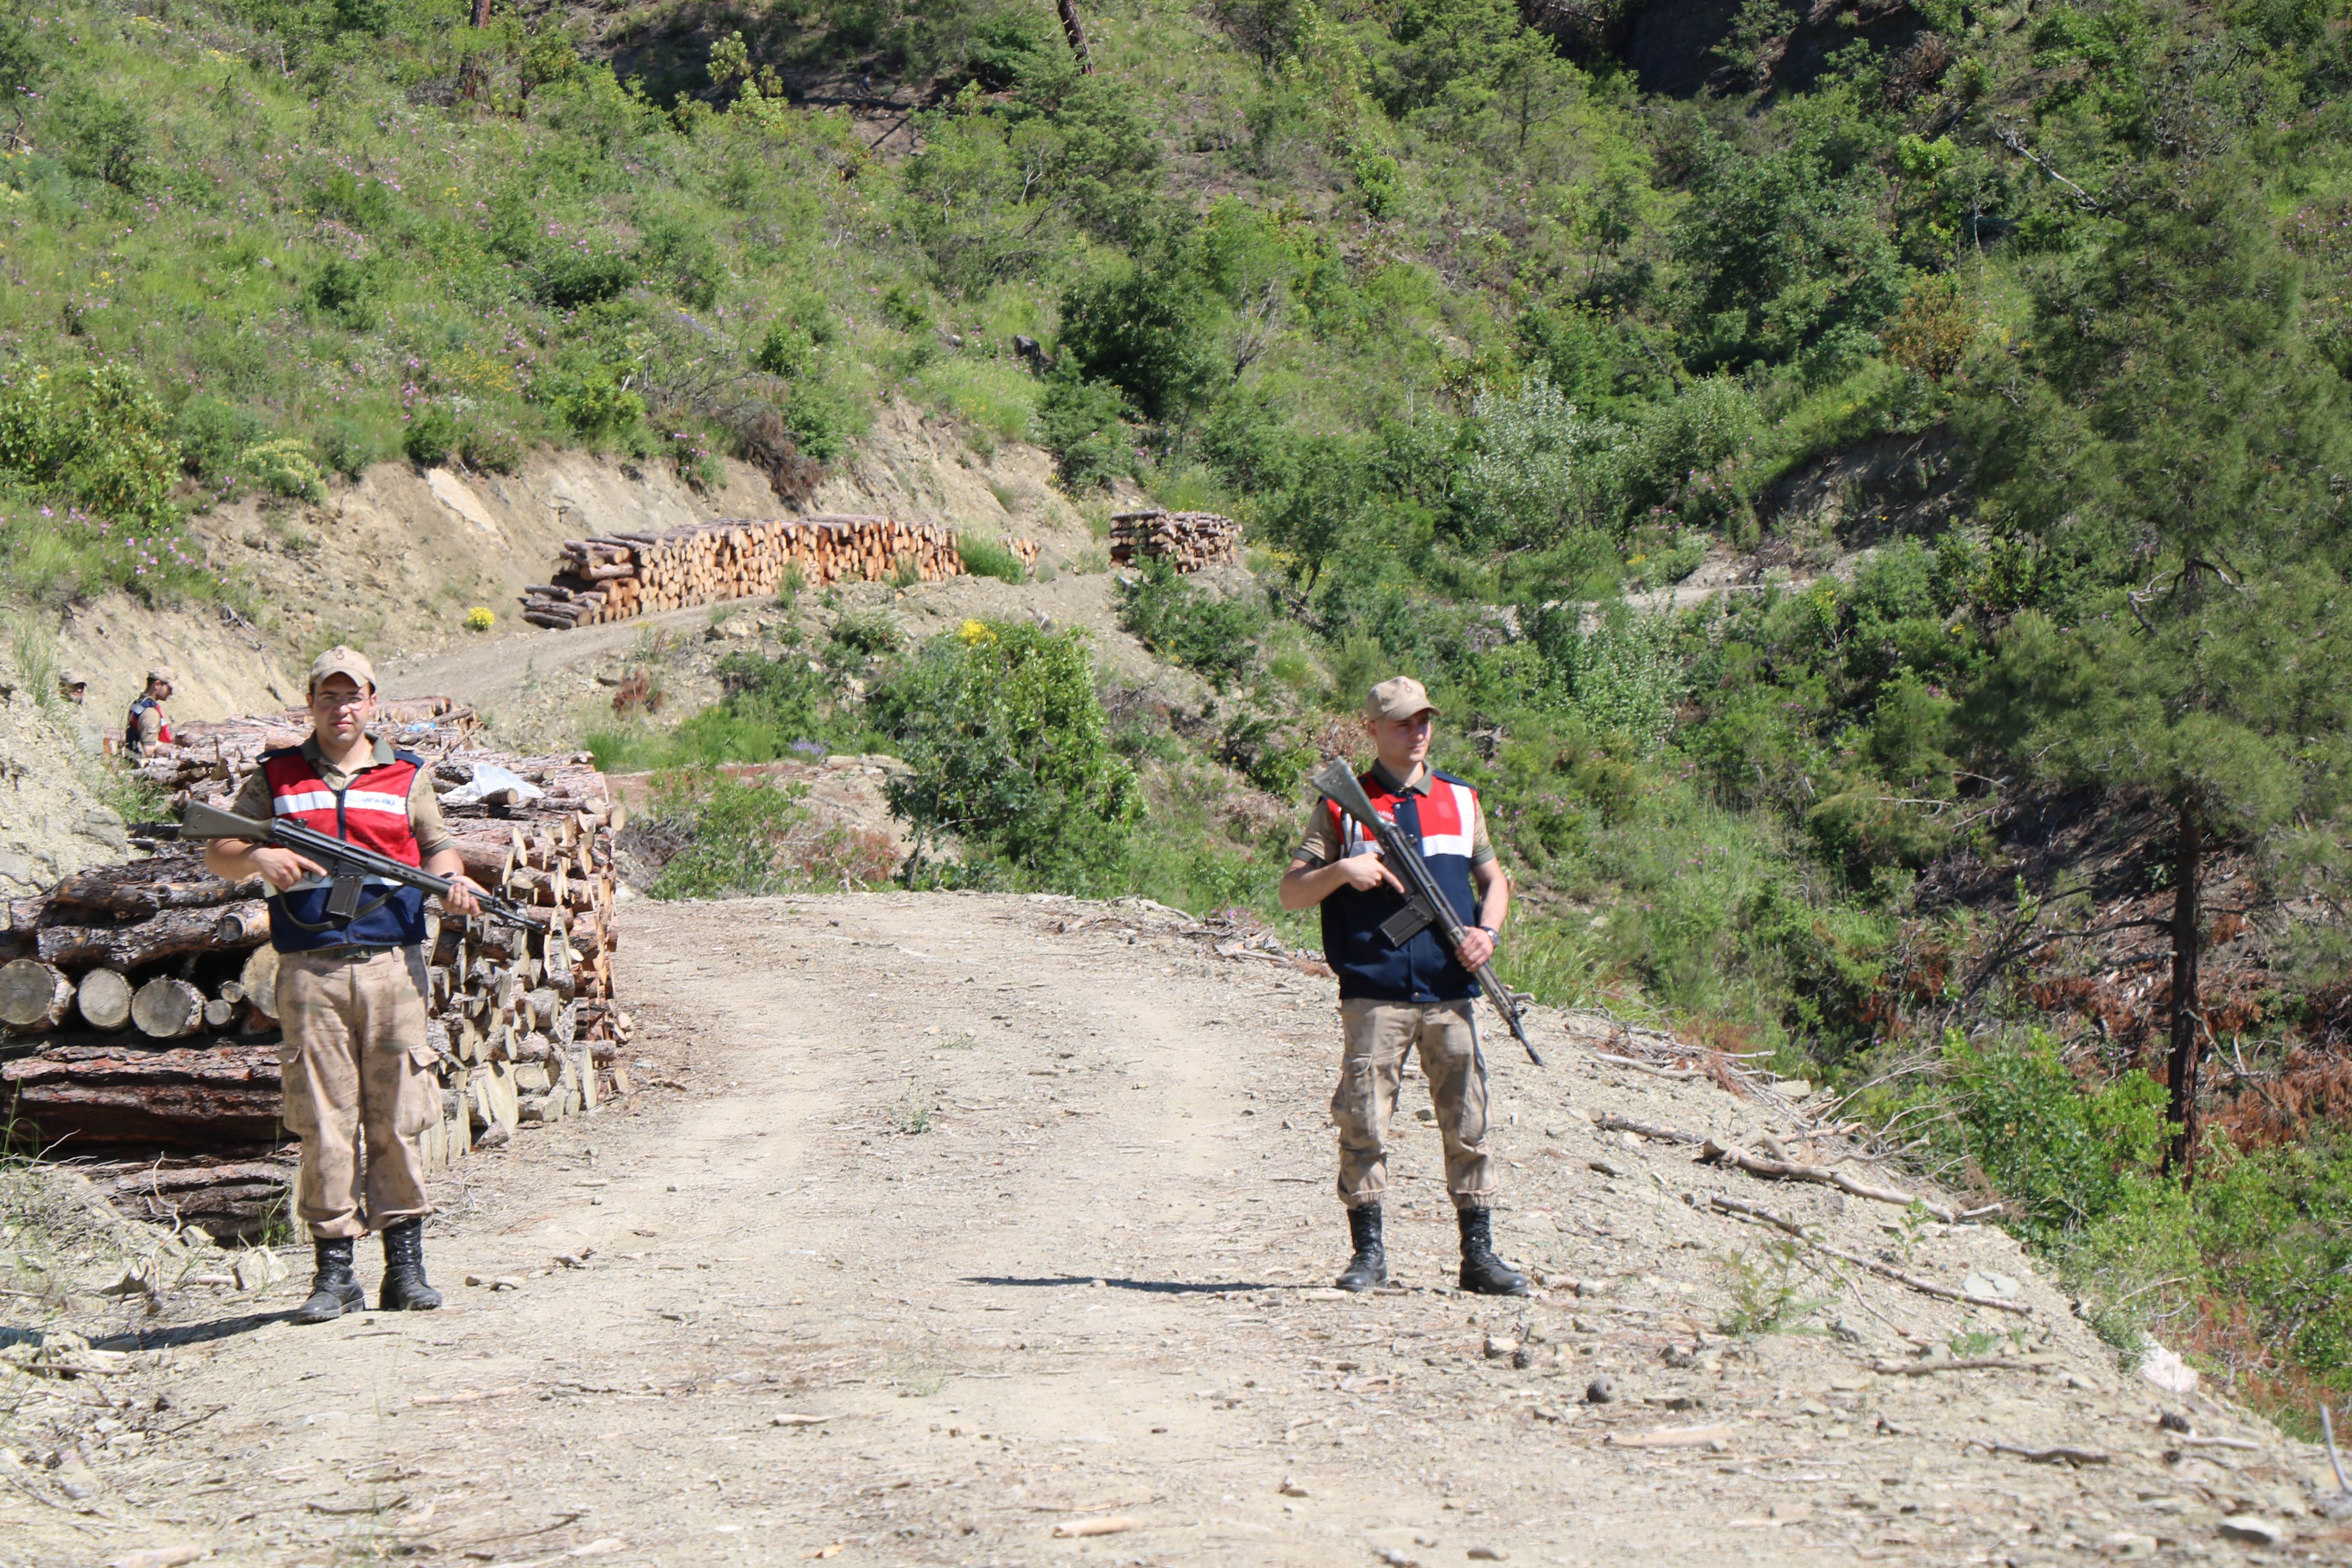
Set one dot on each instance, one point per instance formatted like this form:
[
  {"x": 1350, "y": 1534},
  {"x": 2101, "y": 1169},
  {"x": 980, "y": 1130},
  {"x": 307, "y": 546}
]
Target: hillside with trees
[{"x": 1865, "y": 483}]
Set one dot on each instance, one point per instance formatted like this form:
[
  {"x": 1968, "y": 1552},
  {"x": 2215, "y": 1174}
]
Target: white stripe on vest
[
  {"x": 1465, "y": 807},
  {"x": 316, "y": 800},
  {"x": 376, "y": 800}
]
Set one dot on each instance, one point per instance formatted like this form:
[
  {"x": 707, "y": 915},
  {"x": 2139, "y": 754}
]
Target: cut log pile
[
  {"x": 1187, "y": 540},
  {"x": 616, "y": 575},
  {"x": 138, "y": 1002}
]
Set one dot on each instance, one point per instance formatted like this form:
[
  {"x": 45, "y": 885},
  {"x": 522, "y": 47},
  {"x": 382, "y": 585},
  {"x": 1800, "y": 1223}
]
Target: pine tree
[{"x": 2169, "y": 460}]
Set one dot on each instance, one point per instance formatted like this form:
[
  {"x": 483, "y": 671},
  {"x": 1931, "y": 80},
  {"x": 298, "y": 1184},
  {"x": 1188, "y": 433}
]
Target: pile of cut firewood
[
  {"x": 138, "y": 1002},
  {"x": 616, "y": 575},
  {"x": 1186, "y": 540}
]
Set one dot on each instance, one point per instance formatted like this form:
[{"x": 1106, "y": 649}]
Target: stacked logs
[
  {"x": 139, "y": 1001},
  {"x": 1188, "y": 539},
  {"x": 208, "y": 752},
  {"x": 616, "y": 575}
]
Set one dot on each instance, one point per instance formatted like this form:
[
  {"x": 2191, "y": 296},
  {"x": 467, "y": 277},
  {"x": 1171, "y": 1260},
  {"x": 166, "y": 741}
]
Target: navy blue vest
[{"x": 1440, "y": 824}]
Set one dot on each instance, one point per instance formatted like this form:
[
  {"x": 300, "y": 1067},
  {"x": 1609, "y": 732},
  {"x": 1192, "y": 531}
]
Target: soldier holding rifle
[
  {"x": 351, "y": 990},
  {"x": 1401, "y": 988}
]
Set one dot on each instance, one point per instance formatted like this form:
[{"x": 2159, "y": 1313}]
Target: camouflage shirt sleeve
[
  {"x": 1321, "y": 844},
  {"x": 424, "y": 818}
]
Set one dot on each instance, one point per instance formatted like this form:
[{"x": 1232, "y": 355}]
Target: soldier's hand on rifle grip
[
  {"x": 1366, "y": 872},
  {"x": 1477, "y": 946},
  {"x": 282, "y": 869}
]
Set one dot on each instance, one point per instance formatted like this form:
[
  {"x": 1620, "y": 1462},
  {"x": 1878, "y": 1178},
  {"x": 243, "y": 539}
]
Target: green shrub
[
  {"x": 343, "y": 291},
  {"x": 350, "y": 446},
  {"x": 746, "y": 837},
  {"x": 1012, "y": 753},
  {"x": 824, "y": 419},
  {"x": 285, "y": 468},
  {"x": 92, "y": 433},
  {"x": 1084, "y": 424},
  {"x": 983, "y": 557},
  {"x": 105, "y": 139},
  {"x": 433, "y": 435},
  {"x": 1183, "y": 623},
  {"x": 213, "y": 433}
]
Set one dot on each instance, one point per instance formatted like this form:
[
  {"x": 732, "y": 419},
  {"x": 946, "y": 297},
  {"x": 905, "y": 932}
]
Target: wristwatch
[{"x": 1493, "y": 932}]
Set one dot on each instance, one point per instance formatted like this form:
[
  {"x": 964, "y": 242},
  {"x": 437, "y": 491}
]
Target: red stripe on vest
[{"x": 387, "y": 833}]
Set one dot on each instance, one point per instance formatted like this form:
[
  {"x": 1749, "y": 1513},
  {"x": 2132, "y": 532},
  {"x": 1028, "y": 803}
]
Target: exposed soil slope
[{"x": 940, "y": 1221}]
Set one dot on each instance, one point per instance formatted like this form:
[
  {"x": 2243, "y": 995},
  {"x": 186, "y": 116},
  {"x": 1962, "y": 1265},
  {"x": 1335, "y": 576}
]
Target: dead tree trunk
[
  {"x": 2188, "y": 857},
  {"x": 1075, "y": 31}
]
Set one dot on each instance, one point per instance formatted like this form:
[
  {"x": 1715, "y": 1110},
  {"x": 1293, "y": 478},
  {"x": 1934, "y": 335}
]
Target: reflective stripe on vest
[{"x": 1444, "y": 823}]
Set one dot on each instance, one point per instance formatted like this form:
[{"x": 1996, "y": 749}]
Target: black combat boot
[
  {"x": 334, "y": 1288},
  {"x": 1483, "y": 1273},
  {"x": 404, "y": 1289},
  {"x": 1370, "y": 1267}
]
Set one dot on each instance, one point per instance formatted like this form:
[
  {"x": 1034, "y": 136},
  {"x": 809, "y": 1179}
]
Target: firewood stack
[
  {"x": 617, "y": 576},
  {"x": 1188, "y": 539},
  {"x": 224, "y": 751},
  {"x": 138, "y": 1003}
]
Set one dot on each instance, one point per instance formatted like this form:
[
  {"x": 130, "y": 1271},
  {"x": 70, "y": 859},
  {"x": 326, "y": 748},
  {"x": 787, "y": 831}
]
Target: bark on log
[
  {"x": 34, "y": 996},
  {"x": 182, "y": 1099},
  {"x": 242, "y": 925},
  {"x": 259, "y": 980},
  {"x": 104, "y": 999},
  {"x": 167, "y": 935},
  {"x": 140, "y": 889},
  {"x": 232, "y": 1196}
]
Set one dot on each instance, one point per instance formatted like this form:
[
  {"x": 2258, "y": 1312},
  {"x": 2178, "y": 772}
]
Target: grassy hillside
[{"x": 1997, "y": 352}]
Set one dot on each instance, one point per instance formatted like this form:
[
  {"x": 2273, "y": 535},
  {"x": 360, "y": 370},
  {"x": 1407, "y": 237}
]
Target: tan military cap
[
  {"x": 70, "y": 678},
  {"x": 162, "y": 672},
  {"x": 1398, "y": 698},
  {"x": 341, "y": 660}
]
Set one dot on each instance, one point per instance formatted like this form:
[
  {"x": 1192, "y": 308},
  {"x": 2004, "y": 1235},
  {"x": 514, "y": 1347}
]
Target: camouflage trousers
[
  {"x": 358, "y": 1092},
  {"x": 1376, "y": 1038}
]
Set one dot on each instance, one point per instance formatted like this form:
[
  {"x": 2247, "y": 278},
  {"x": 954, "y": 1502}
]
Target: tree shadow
[
  {"x": 1148, "y": 1287},
  {"x": 178, "y": 1334}
]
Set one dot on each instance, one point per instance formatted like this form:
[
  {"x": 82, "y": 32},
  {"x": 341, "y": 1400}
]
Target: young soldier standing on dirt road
[
  {"x": 352, "y": 992},
  {"x": 1393, "y": 998}
]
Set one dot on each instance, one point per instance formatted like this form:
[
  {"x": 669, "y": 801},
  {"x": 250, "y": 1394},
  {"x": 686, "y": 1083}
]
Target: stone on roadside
[
  {"x": 1499, "y": 1347},
  {"x": 1602, "y": 1390},
  {"x": 1290, "y": 1488},
  {"x": 1489, "y": 1554},
  {"x": 2252, "y": 1530}
]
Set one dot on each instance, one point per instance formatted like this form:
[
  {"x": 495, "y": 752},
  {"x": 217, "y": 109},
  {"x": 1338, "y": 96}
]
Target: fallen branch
[
  {"x": 1925, "y": 1287},
  {"x": 1963, "y": 1364},
  {"x": 1713, "y": 1153},
  {"x": 1613, "y": 1122},
  {"x": 1639, "y": 1066},
  {"x": 465, "y": 1395},
  {"x": 2192, "y": 1441},
  {"x": 1673, "y": 1437},
  {"x": 2074, "y": 1456}
]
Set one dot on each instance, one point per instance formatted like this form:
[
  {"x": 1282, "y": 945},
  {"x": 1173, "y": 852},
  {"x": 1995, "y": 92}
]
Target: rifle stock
[{"x": 1425, "y": 902}]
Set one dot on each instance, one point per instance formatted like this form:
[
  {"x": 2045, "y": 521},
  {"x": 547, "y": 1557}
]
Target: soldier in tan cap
[
  {"x": 1394, "y": 998},
  {"x": 146, "y": 726},
  {"x": 74, "y": 686},
  {"x": 351, "y": 989}
]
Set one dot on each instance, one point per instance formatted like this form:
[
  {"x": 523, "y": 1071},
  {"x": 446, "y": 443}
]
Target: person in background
[
  {"x": 74, "y": 686},
  {"x": 147, "y": 726}
]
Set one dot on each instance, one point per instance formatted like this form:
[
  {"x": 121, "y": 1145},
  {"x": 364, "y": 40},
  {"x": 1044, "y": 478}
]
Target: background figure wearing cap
[
  {"x": 351, "y": 990},
  {"x": 75, "y": 686},
  {"x": 146, "y": 725},
  {"x": 1395, "y": 998}
]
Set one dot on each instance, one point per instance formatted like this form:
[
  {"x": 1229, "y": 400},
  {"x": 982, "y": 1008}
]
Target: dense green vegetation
[{"x": 1487, "y": 347}]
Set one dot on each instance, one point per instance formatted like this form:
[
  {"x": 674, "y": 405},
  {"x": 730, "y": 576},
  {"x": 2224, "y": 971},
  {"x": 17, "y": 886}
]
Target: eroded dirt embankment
[{"x": 942, "y": 1221}]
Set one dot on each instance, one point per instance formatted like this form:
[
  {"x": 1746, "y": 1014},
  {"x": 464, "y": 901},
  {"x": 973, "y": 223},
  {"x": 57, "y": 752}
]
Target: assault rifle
[
  {"x": 348, "y": 865},
  {"x": 1425, "y": 903}
]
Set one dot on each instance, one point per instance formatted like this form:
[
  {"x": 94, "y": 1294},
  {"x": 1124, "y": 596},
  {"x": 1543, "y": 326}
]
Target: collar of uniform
[
  {"x": 1417, "y": 784},
  {"x": 318, "y": 759}
]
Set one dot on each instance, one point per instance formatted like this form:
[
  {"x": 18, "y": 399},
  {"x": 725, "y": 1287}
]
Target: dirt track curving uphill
[{"x": 937, "y": 1228}]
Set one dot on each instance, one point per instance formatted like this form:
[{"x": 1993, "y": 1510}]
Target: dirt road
[{"x": 943, "y": 1222}]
